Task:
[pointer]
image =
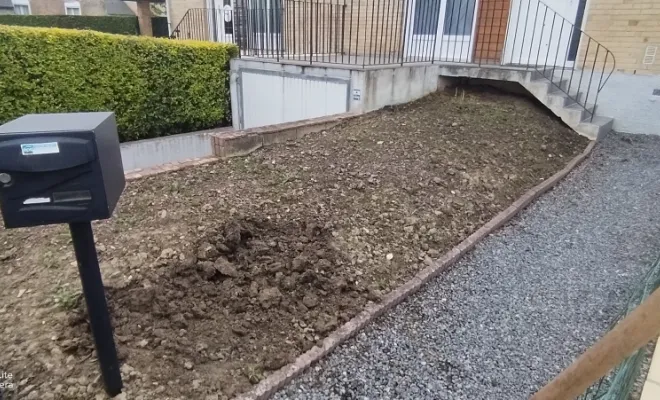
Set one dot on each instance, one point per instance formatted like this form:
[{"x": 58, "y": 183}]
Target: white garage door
[{"x": 273, "y": 98}]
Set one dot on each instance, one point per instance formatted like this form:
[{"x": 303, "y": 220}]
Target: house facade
[
  {"x": 6, "y": 7},
  {"x": 489, "y": 31},
  {"x": 631, "y": 30},
  {"x": 70, "y": 7}
]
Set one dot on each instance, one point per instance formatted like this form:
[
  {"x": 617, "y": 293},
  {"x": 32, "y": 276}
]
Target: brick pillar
[{"x": 144, "y": 17}]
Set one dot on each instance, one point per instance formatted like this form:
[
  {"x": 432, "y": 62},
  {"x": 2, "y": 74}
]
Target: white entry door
[
  {"x": 422, "y": 27},
  {"x": 221, "y": 21},
  {"x": 442, "y": 30},
  {"x": 540, "y": 32},
  {"x": 265, "y": 25}
]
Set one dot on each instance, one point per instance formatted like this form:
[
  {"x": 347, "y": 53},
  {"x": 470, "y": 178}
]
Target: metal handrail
[
  {"x": 177, "y": 30},
  {"x": 573, "y": 29},
  {"x": 390, "y": 32},
  {"x": 196, "y": 24}
]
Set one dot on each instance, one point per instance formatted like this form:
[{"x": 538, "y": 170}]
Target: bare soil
[{"x": 218, "y": 274}]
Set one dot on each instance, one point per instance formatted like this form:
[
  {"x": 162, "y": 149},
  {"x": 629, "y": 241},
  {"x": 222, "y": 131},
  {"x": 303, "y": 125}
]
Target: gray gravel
[{"x": 523, "y": 304}]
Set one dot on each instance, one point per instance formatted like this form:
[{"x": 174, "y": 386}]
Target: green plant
[
  {"x": 253, "y": 373},
  {"x": 124, "y": 25},
  {"x": 156, "y": 87},
  {"x": 66, "y": 298}
]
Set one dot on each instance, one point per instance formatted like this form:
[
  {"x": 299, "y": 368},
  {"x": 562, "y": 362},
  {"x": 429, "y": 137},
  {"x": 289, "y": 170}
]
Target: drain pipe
[{"x": 168, "y": 11}]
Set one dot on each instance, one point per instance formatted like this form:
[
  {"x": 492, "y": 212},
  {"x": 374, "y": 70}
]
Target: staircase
[
  {"x": 532, "y": 44},
  {"x": 574, "y": 109}
]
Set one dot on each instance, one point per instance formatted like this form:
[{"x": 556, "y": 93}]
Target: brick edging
[
  {"x": 280, "y": 378},
  {"x": 169, "y": 167},
  {"x": 244, "y": 142},
  {"x": 241, "y": 143}
]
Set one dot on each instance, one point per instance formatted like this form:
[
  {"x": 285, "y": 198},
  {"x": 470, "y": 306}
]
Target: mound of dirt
[
  {"x": 251, "y": 284},
  {"x": 220, "y": 273}
]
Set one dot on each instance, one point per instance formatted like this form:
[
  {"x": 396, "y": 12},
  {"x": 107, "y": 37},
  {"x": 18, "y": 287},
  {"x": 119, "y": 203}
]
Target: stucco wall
[
  {"x": 149, "y": 153},
  {"x": 630, "y": 101},
  {"x": 369, "y": 89}
]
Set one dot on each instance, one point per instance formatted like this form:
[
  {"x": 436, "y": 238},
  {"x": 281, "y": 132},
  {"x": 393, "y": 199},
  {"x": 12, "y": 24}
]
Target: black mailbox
[
  {"x": 59, "y": 168},
  {"x": 66, "y": 168}
]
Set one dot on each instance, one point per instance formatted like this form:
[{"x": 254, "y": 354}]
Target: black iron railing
[
  {"x": 574, "y": 63},
  {"x": 527, "y": 34}
]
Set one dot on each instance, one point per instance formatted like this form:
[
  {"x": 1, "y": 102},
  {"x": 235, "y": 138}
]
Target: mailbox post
[{"x": 67, "y": 168}]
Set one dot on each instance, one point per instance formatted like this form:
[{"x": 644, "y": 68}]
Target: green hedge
[
  {"x": 123, "y": 25},
  {"x": 156, "y": 87}
]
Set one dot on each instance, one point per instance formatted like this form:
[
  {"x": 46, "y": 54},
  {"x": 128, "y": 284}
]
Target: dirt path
[{"x": 221, "y": 273}]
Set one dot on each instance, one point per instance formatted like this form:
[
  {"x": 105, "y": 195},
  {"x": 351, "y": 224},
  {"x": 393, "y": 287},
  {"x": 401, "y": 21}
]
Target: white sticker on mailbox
[
  {"x": 36, "y": 149},
  {"x": 37, "y": 200}
]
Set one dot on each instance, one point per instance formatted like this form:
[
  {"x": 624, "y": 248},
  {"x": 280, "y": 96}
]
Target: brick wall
[
  {"x": 627, "y": 28},
  {"x": 491, "y": 30},
  {"x": 363, "y": 27},
  {"x": 56, "y": 7}
]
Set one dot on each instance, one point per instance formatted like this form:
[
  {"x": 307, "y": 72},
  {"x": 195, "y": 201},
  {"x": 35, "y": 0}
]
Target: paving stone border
[
  {"x": 274, "y": 382},
  {"x": 242, "y": 143}
]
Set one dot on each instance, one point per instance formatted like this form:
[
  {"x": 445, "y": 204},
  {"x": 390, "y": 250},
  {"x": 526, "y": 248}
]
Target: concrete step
[
  {"x": 540, "y": 88},
  {"x": 564, "y": 106},
  {"x": 568, "y": 82},
  {"x": 561, "y": 99},
  {"x": 596, "y": 128},
  {"x": 546, "y": 89},
  {"x": 576, "y": 113},
  {"x": 543, "y": 74}
]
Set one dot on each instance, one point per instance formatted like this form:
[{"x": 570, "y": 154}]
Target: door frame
[
  {"x": 545, "y": 42},
  {"x": 450, "y": 39},
  {"x": 440, "y": 48},
  {"x": 216, "y": 21},
  {"x": 266, "y": 41}
]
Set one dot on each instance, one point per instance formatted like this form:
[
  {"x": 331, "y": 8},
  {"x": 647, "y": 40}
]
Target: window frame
[
  {"x": 72, "y": 5},
  {"x": 22, "y": 3}
]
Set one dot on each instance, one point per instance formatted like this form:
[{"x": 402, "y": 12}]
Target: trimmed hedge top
[
  {"x": 123, "y": 25},
  {"x": 156, "y": 87}
]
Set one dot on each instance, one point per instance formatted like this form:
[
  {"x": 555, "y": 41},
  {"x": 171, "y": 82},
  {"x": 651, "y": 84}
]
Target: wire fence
[{"x": 620, "y": 383}]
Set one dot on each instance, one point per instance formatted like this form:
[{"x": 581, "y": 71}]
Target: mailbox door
[{"x": 54, "y": 179}]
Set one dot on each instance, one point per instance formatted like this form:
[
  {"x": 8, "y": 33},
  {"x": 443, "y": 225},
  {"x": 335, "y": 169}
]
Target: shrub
[
  {"x": 123, "y": 25},
  {"x": 156, "y": 87}
]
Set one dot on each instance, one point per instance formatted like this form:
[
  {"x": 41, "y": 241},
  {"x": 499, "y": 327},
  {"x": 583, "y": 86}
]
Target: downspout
[
  {"x": 212, "y": 19},
  {"x": 168, "y": 11}
]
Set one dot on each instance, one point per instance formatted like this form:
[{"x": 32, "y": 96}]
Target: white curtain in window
[
  {"x": 20, "y": 9},
  {"x": 72, "y": 8},
  {"x": 459, "y": 17}
]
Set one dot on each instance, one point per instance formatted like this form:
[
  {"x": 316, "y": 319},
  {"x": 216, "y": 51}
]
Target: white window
[
  {"x": 72, "y": 8},
  {"x": 21, "y": 7}
]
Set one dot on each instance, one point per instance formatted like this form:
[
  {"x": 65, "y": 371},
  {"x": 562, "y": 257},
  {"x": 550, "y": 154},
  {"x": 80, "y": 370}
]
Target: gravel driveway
[{"x": 523, "y": 304}]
